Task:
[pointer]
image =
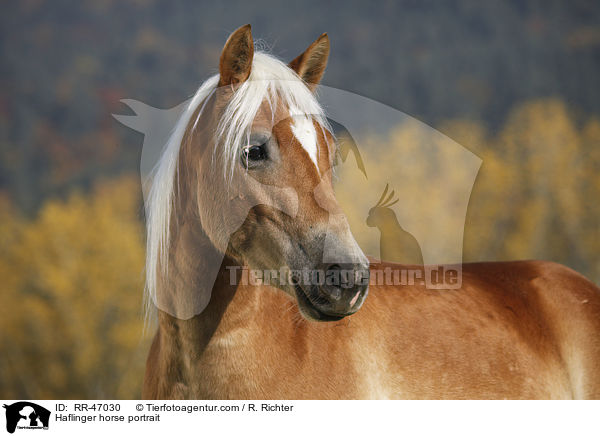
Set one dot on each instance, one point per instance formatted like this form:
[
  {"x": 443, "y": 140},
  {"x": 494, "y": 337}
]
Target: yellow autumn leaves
[
  {"x": 71, "y": 296},
  {"x": 536, "y": 194}
]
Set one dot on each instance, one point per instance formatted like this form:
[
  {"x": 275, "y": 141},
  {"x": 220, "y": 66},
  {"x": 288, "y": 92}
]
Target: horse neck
[
  {"x": 191, "y": 259},
  {"x": 191, "y": 255}
]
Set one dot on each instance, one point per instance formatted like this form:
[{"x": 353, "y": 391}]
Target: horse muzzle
[{"x": 332, "y": 291}]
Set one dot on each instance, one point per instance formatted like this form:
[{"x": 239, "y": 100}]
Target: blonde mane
[{"x": 270, "y": 80}]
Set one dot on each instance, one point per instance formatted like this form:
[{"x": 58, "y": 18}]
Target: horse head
[{"x": 250, "y": 162}]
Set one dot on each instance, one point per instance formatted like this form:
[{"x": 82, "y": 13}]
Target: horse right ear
[
  {"x": 311, "y": 64},
  {"x": 236, "y": 58}
]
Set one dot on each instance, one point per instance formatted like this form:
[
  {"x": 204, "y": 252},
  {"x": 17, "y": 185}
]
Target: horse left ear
[
  {"x": 236, "y": 58},
  {"x": 311, "y": 64}
]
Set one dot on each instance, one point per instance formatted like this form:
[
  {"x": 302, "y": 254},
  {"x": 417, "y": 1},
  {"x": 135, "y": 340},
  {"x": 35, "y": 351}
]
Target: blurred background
[{"x": 516, "y": 82}]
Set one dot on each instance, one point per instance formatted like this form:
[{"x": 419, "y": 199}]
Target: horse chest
[
  {"x": 254, "y": 363},
  {"x": 234, "y": 365}
]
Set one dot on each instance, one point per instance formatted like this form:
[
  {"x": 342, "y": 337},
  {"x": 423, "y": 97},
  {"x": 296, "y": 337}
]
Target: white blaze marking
[{"x": 304, "y": 131}]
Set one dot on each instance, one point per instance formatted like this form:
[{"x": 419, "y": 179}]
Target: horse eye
[{"x": 253, "y": 153}]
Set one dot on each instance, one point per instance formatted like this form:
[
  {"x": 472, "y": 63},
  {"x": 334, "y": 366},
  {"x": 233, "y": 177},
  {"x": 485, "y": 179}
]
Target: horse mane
[{"x": 270, "y": 80}]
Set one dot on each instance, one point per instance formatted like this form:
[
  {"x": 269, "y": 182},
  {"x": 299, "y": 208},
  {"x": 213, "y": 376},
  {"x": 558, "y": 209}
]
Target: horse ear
[
  {"x": 311, "y": 64},
  {"x": 236, "y": 58}
]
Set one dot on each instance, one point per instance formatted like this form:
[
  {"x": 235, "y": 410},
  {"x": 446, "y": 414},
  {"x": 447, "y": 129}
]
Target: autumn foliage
[{"x": 70, "y": 307}]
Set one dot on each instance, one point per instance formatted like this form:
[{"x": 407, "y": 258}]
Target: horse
[{"x": 513, "y": 330}]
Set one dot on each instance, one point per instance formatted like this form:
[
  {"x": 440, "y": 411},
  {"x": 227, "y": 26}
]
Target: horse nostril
[
  {"x": 334, "y": 290},
  {"x": 333, "y": 284}
]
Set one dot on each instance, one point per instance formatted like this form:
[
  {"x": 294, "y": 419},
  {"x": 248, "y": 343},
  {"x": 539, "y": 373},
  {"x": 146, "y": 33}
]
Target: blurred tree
[
  {"x": 70, "y": 309},
  {"x": 534, "y": 197}
]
